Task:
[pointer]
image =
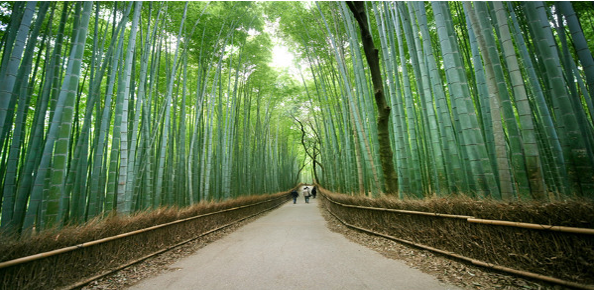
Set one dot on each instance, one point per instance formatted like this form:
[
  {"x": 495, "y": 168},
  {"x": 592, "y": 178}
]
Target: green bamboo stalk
[
  {"x": 9, "y": 189},
  {"x": 503, "y": 167},
  {"x": 555, "y": 156},
  {"x": 134, "y": 175},
  {"x": 124, "y": 197},
  {"x": 9, "y": 70},
  {"x": 98, "y": 202},
  {"x": 76, "y": 180},
  {"x": 450, "y": 145},
  {"x": 414, "y": 160},
  {"x": 436, "y": 163},
  {"x": 573, "y": 144},
  {"x": 35, "y": 148},
  {"x": 569, "y": 68},
  {"x": 472, "y": 139},
  {"x": 58, "y": 201},
  {"x": 352, "y": 106},
  {"x": 398, "y": 109},
  {"x": 168, "y": 101},
  {"x": 580, "y": 45},
  {"x": 531, "y": 150},
  {"x": 55, "y": 214}
]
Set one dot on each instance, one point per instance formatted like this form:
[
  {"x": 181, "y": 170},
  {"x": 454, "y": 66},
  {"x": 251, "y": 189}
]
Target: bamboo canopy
[{"x": 127, "y": 107}]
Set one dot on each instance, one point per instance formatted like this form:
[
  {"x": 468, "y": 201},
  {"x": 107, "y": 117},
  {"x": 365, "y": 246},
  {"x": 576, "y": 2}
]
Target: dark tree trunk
[
  {"x": 386, "y": 153},
  {"x": 306, "y": 149}
]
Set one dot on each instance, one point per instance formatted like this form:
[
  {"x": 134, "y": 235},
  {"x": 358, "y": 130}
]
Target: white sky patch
[
  {"x": 253, "y": 32},
  {"x": 282, "y": 58}
]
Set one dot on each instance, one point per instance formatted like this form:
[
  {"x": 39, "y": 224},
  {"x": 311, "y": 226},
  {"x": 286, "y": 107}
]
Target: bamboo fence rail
[
  {"x": 88, "y": 244},
  {"x": 470, "y": 219},
  {"x": 24, "y": 261},
  {"x": 470, "y": 260},
  {"x": 89, "y": 280}
]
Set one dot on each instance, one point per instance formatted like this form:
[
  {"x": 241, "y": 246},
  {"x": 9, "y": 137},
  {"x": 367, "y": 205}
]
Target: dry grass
[
  {"x": 67, "y": 268},
  {"x": 561, "y": 255}
]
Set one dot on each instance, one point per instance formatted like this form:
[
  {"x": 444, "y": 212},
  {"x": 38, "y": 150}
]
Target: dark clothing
[
  {"x": 313, "y": 191},
  {"x": 294, "y": 195}
]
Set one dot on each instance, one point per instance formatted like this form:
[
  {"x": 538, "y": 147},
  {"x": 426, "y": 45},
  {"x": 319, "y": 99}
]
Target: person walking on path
[
  {"x": 313, "y": 191},
  {"x": 294, "y": 195},
  {"x": 306, "y": 193}
]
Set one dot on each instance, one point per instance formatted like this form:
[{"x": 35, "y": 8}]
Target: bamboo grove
[
  {"x": 120, "y": 107},
  {"x": 487, "y": 99},
  {"x": 126, "y": 106}
]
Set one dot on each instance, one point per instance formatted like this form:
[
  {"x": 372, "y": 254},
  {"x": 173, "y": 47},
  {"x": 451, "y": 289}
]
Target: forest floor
[{"x": 445, "y": 270}]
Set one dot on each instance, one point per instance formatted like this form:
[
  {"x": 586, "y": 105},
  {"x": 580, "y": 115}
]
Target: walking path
[{"x": 289, "y": 248}]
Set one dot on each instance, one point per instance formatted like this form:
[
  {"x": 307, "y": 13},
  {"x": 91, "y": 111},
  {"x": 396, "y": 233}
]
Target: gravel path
[{"x": 289, "y": 248}]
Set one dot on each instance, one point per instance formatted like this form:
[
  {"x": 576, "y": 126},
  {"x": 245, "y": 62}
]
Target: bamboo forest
[{"x": 123, "y": 107}]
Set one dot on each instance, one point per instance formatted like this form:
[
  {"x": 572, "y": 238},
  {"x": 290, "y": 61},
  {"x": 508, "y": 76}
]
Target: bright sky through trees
[{"x": 282, "y": 58}]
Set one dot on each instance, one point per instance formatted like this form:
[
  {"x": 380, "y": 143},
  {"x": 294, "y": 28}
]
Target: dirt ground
[{"x": 446, "y": 270}]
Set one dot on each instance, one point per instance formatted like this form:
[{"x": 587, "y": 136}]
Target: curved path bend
[{"x": 289, "y": 248}]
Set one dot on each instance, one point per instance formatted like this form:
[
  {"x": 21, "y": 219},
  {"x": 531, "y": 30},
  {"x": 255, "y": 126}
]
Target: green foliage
[
  {"x": 204, "y": 115},
  {"x": 584, "y": 11},
  {"x": 440, "y": 102},
  {"x": 161, "y": 119}
]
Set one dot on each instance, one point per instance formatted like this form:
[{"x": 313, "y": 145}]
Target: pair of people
[{"x": 306, "y": 192}]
